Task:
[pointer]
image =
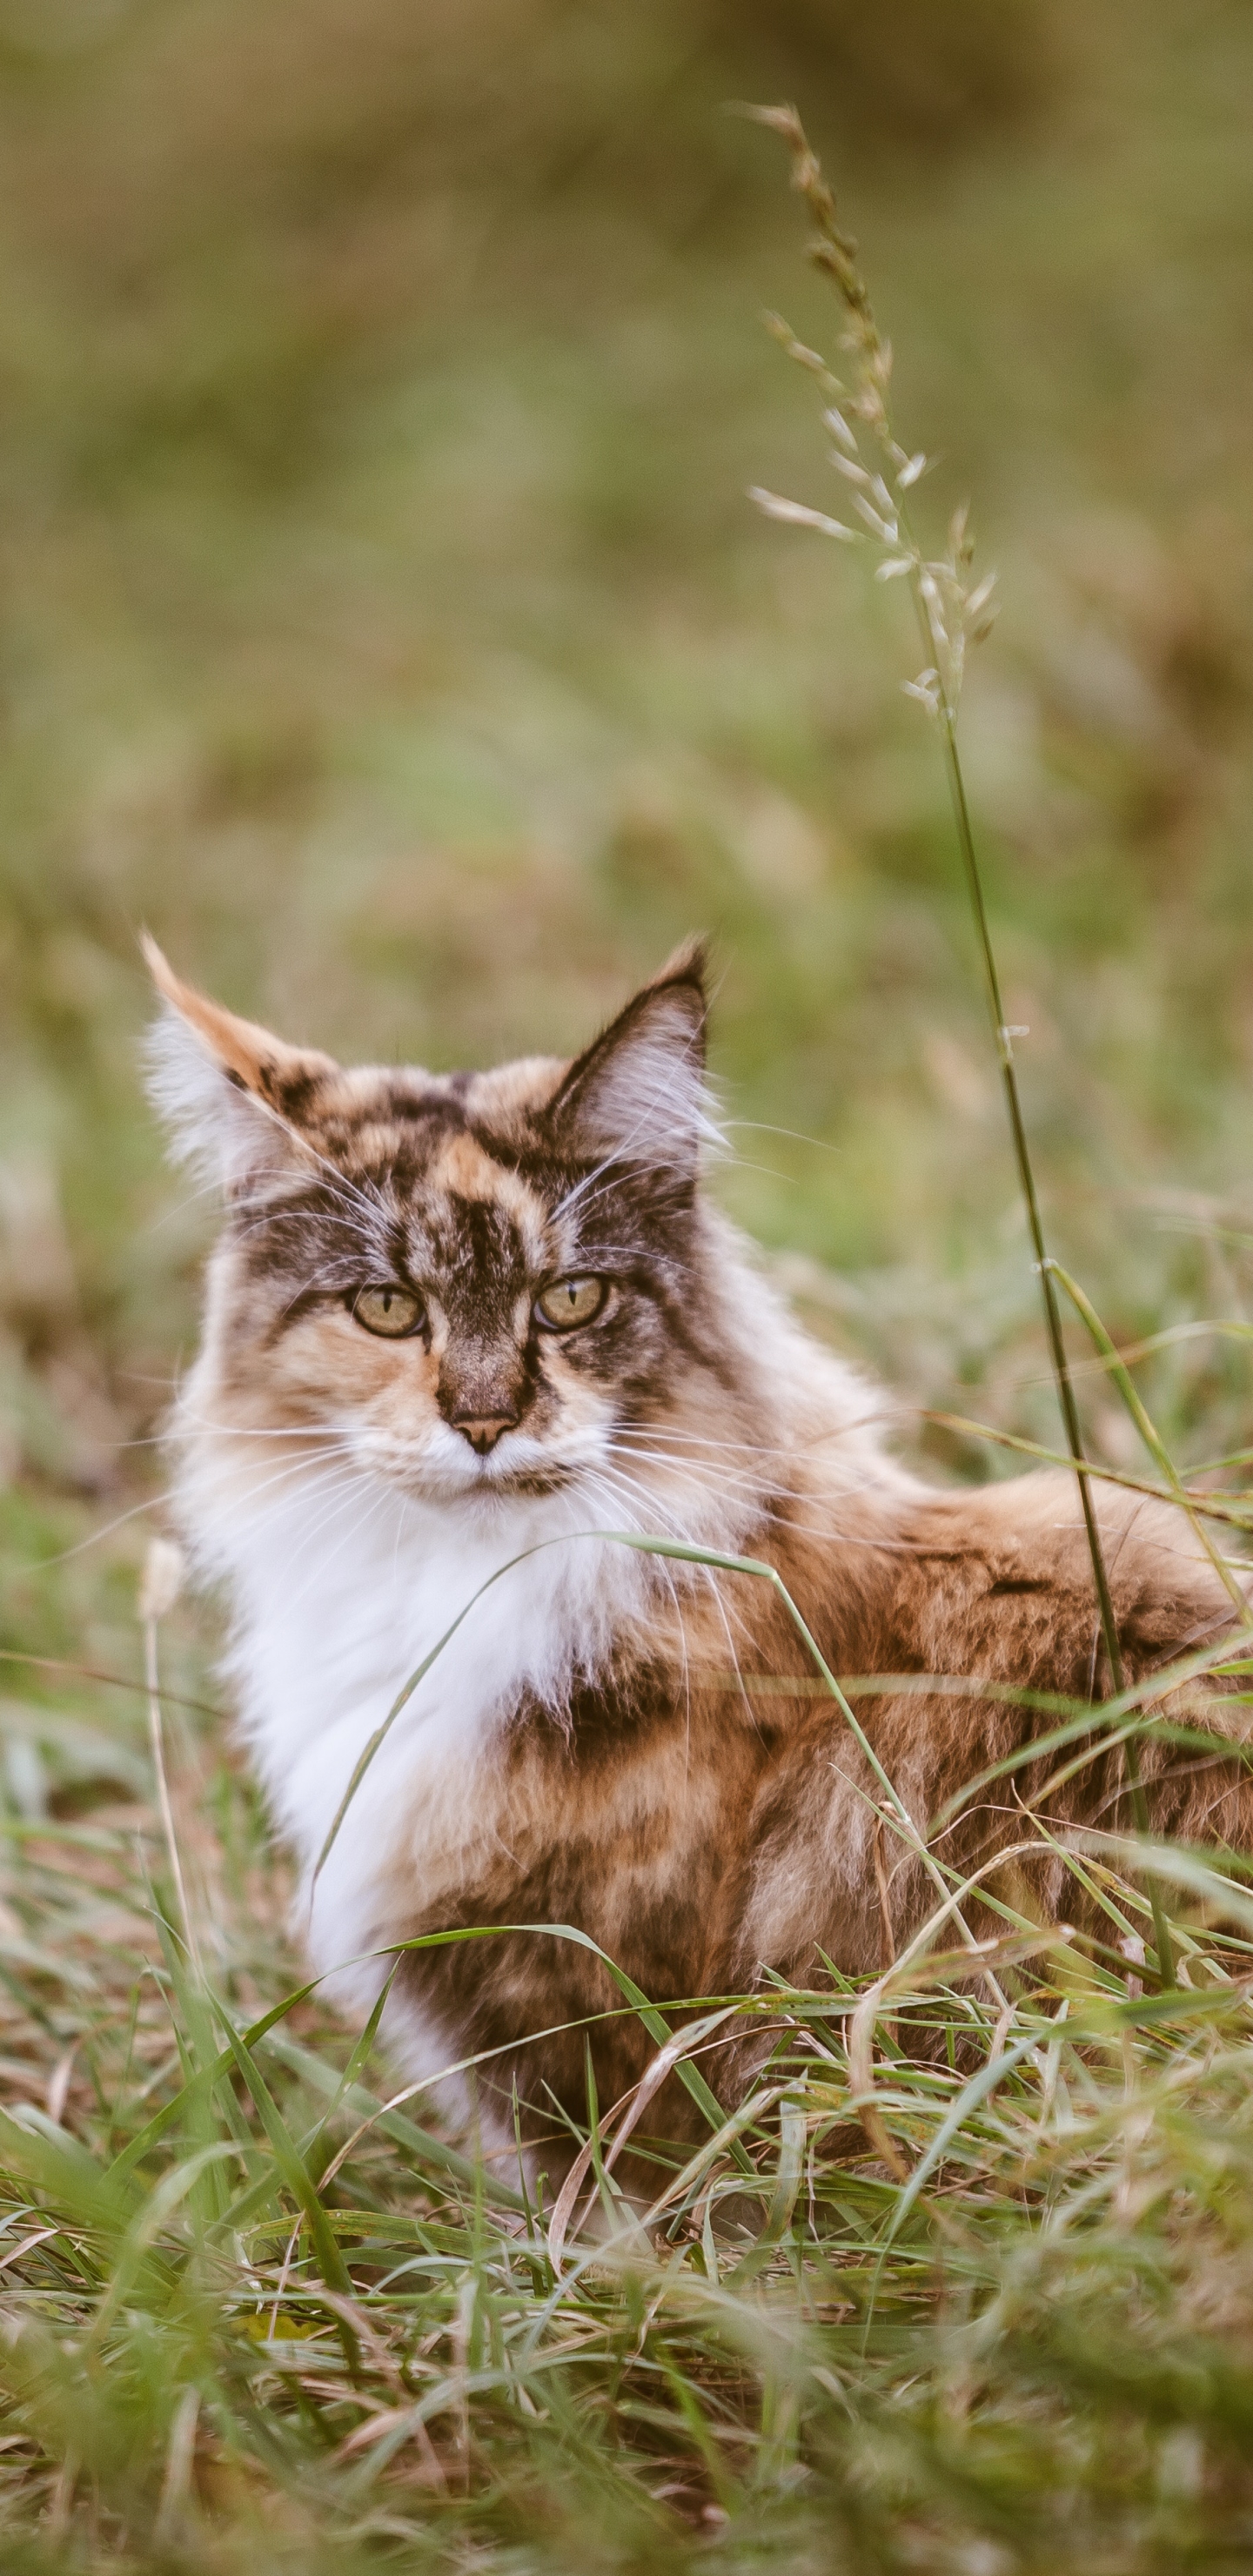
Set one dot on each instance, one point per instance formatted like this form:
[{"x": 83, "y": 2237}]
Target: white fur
[
  {"x": 342, "y": 1585},
  {"x": 228, "y": 1137}
]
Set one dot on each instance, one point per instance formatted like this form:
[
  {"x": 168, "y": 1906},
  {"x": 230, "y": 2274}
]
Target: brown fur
[
  {"x": 672, "y": 1799},
  {"x": 707, "y": 1832}
]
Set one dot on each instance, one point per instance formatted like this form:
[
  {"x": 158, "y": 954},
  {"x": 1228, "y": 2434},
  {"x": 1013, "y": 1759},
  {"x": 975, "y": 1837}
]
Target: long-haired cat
[{"x": 461, "y": 1321}]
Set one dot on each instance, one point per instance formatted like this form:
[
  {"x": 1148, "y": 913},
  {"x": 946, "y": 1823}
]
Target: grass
[
  {"x": 341, "y": 393},
  {"x": 985, "y": 2306}
]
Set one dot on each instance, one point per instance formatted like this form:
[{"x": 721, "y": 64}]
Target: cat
[{"x": 462, "y": 1322}]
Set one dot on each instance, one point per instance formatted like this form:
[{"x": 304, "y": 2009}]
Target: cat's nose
[{"x": 483, "y": 1430}]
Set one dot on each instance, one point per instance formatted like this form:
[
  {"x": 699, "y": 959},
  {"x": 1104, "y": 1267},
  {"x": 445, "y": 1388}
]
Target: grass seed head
[
  {"x": 161, "y": 1581},
  {"x": 951, "y": 614}
]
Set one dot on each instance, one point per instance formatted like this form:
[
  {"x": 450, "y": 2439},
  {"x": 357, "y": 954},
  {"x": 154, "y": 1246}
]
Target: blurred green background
[{"x": 382, "y": 620}]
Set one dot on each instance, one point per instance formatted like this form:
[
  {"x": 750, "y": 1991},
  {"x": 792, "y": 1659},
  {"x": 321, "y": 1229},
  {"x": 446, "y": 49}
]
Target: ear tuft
[
  {"x": 233, "y": 1096},
  {"x": 637, "y": 1094}
]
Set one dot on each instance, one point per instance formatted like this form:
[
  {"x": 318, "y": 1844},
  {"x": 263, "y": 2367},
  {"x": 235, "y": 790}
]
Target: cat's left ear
[
  {"x": 637, "y": 1094},
  {"x": 234, "y": 1096}
]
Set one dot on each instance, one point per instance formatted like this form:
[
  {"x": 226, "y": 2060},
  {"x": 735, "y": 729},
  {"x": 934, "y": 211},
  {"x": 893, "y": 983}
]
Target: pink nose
[{"x": 483, "y": 1430}]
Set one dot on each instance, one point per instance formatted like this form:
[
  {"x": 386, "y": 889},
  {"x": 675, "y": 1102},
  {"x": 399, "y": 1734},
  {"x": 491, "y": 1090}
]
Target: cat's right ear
[{"x": 234, "y": 1097}]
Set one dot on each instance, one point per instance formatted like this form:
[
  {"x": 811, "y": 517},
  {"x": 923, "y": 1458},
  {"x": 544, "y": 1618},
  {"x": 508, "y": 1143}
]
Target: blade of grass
[
  {"x": 942, "y": 631},
  {"x": 1158, "y": 1452}
]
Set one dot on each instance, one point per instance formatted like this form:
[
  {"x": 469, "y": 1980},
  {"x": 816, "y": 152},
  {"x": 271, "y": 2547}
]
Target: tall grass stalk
[{"x": 950, "y": 609}]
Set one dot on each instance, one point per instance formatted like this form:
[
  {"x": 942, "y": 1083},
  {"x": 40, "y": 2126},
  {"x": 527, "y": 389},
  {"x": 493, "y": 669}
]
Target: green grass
[
  {"x": 967, "y": 2286},
  {"x": 381, "y": 618}
]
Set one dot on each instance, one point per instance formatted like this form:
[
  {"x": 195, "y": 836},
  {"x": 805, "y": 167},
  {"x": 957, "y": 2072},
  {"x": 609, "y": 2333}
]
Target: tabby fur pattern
[{"x": 609, "y": 1739}]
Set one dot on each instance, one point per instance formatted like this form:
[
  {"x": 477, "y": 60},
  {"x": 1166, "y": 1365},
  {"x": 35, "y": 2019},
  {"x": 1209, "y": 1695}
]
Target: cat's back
[{"x": 998, "y": 1581}]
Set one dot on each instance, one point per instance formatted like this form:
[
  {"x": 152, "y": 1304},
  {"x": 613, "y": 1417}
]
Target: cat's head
[{"x": 470, "y": 1281}]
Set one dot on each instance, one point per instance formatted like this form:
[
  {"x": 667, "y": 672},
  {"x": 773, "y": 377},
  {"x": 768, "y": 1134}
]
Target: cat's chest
[{"x": 467, "y": 1622}]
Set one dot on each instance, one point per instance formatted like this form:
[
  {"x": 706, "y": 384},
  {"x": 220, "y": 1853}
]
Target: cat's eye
[
  {"x": 388, "y": 1309},
  {"x": 569, "y": 1302}
]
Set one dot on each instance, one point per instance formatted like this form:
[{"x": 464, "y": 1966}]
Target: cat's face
[{"x": 468, "y": 1283}]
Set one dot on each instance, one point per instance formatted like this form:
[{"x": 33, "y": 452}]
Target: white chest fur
[{"x": 340, "y": 1593}]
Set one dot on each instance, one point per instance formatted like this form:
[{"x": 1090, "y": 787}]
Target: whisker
[
  {"x": 751, "y": 1449},
  {"x": 39, "y": 1564},
  {"x": 707, "y": 1574},
  {"x": 326, "y": 1521},
  {"x": 783, "y": 1511},
  {"x": 254, "y": 1431},
  {"x": 608, "y": 1481},
  {"x": 295, "y": 1469}
]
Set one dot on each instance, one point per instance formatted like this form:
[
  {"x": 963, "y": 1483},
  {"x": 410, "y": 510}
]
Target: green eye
[
  {"x": 388, "y": 1310},
  {"x": 568, "y": 1303}
]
